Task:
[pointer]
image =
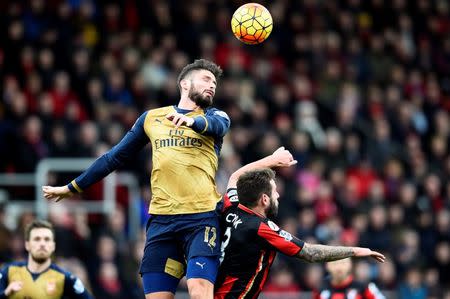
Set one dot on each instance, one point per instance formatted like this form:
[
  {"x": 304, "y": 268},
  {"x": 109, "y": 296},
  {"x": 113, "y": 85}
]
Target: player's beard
[
  {"x": 40, "y": 258},
  {"x": 198, "y": 98},
  {"x": 272, "y": 209}
]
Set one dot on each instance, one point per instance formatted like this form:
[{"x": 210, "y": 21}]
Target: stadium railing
[{"x": 40, "y": 178}]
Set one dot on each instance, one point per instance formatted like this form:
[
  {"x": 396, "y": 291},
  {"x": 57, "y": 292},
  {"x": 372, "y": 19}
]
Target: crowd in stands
[{"x": 358, "y": 91}]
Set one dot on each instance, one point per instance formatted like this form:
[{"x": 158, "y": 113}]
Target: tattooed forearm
[{"x": 323, "y": 253}]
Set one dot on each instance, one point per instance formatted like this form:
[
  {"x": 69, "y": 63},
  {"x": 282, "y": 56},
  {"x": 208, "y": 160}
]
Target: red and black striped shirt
[
  {"x": 349, "y": 289},
  {"x": 250, "y": 242}
]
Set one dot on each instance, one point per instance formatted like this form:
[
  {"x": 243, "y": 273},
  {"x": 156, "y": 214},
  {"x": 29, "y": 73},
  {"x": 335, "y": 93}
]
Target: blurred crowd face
[
  {"x": 41, "y": 245},
  {"x": 339, "y": 270},
  {"x": 202, "y": 87}
]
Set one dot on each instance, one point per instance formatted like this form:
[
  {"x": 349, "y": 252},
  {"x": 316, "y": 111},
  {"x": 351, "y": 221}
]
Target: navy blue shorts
[{"x": 174, "y": 241}]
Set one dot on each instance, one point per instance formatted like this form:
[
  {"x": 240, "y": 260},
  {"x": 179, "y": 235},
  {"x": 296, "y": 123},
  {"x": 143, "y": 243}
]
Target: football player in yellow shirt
[
  {"x": 38, "y": 277},
  {"x": 183, "y": 229}
]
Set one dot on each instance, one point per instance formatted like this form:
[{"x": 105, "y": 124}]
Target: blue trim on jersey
[
  {"x": 181, "y": 110},
  {"x": 205, "y": 267},
  {"x": 131, "y": 143},
  {"x": 153, "y": 282}
]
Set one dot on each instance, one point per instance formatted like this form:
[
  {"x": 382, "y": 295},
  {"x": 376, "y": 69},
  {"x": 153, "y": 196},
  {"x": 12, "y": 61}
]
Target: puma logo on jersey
[{"x": 200, "y": 264}]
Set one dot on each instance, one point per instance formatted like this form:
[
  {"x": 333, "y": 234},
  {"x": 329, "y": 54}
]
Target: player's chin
[
  {"x": 208, "y": 97},
  {"x": 205, "y": 101}
]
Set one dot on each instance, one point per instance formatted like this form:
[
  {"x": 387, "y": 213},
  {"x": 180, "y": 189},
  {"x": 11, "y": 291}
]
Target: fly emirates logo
[{"x": 177, "y": 138}]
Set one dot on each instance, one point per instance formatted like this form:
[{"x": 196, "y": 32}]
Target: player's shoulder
[
  {"x": 214, "y": 111},
  {"x": 7, "y": 266},
  {"x": 159, "y": 111},
  {"x": 57, "y": 268},
  {"x": 251, "y": 219},
  {"x": 13, "y": 266}
]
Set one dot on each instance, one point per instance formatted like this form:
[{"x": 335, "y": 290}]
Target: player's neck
[
  {"x": 260, "y": 211},
  {"x": 37, "y": 267},
  {"x": 187, "y": 104}
]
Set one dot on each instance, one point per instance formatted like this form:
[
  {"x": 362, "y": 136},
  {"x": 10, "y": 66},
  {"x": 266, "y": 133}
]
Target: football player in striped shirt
[{"x": 251, "y": 240}]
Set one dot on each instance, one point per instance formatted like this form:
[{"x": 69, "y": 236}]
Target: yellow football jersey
[
  {"x": 53, "y": 283},
  {"x": 184, "y": 159},
  {"x": 184, "y": 165}
]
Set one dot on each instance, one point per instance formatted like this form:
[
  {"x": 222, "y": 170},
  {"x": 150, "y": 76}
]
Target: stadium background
[{"x": 359, "y": 91}]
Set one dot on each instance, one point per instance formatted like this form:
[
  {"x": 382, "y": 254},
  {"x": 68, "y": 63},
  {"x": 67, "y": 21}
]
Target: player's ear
[
  {"x": 265, "y": 199},
  {"x": 185, "y": 84},
  {"x": 27, "y": 246}
]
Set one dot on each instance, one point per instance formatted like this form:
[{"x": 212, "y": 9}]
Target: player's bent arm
[
  {"x": 280, "y": 158},
  {"x": 130, "y": 144},
  {"x": 324, "y": 253},
  {"x": 215, "y": 122}
]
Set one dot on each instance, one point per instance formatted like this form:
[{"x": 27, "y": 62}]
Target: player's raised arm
[
  {"x": 130, "y": 144},
  {"x": 324, "y": 253},
  {"x": 280, "y": 158}
]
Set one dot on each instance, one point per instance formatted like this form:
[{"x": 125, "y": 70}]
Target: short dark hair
[
  {"x": 252, "y": 184},
  {"x": 37, "y": 224},
  {"x": 200, "y": 64}
]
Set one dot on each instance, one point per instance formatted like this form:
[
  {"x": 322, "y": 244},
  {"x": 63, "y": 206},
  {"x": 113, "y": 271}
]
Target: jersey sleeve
[
  {"x": 230, "y": 199},
  {"x": 270, "y": 235},
  {"x": 74, "y": 288},
  {"x": 215, "y": 122},
  {"x": 130, "y": 144},
  {"x": 3, "y": 282},
  {"x": 372, "y": 292}
]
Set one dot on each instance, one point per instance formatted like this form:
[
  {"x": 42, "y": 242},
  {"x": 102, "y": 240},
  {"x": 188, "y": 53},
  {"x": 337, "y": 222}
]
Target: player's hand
[
  {"x": 366, "y": 252},
  {"x": 13, "y": 287},
  {"x": 283, "y": 158},
  {"x": 56, "y": 193},
  {"x": 179, "y": 119}
]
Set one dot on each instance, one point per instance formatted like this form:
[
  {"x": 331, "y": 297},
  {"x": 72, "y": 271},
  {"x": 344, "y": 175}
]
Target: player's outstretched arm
[
  {"x": 324, "y": 253},
  {"x": 280, "y": 158},
  {"x": 130, "y": 144}
]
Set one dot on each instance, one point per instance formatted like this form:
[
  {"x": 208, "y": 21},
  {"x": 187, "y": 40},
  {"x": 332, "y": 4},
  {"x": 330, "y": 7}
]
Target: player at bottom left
[{"x": 38, "y": 277}]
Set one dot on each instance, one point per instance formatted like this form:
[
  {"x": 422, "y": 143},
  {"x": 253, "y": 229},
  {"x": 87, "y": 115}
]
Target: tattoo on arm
[{"x": 323, "y": 253}]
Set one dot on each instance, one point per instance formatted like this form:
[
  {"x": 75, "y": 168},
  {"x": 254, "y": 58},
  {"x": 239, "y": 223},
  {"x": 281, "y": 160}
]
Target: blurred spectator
[
  {"x": 341, "y": 283},
  {"x": 282, "y": 282},
  {"x": 412, "y": 285}
]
